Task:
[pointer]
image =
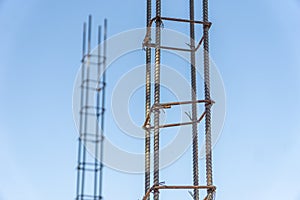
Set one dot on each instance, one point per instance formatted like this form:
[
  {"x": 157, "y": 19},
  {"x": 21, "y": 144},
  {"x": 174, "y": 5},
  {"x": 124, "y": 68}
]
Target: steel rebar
[
  {"x": 97, "y": 141},
  {"x": 103, "y": 108},
  {"x": 148, "y": 104},
  {"x": 194, "y": 105},
  {"x": 78, "y": 188},
  {"x": 157, "y": 98},
  {"x": 208, "y": 147},
  {"x": 86, "y": 102}
]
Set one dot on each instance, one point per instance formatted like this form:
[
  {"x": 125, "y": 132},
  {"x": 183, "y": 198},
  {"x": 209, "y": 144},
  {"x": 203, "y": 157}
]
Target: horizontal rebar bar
[{"x": 174, "y": 187}]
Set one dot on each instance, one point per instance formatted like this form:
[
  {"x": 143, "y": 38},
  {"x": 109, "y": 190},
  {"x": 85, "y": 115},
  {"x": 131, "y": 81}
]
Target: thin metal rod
[
  {"x": 178, "y": 124},
  {"x": 184, "y": 187},
  {"x": 185, "y": 102},
  {"x": 96, "y": 178},
  {"x": 179, "y": 20},
  {"x": 157, "y": 98},
  {"x": 103, "y": 106},
  {"x": 169, "y": 105},
  {"x": 194, "y": 105},
  {"x": 86, "y": 100},
  {"x": 78, "y": 189},
  {"x": 174, "y": 48},
  {"x": 208, "y": 148},
  {"x": 148, "y": 104}
]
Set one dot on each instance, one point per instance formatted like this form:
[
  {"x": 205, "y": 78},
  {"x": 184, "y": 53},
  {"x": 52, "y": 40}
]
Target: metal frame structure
[
  {"x": 91, "y": 124},
  {"x": 157, "y": 106}
]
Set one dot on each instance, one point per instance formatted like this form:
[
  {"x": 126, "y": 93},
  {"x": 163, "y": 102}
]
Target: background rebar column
[
  {"x": 91, "y": 121},
  {"x": 209, "y": 179},
  {"x": 148, "y": 103},
  {"x": 194, "y": 105},
  {"x": 157, "y": 97}
]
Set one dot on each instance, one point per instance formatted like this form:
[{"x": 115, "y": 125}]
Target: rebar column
[
  {"x": 194, "y": 105},
  {"x": 157, "y": 97},
  {"x": 208, "y": 148},
  {"x": 148, "y": 103},
  {"x": 91, "y": 121}
]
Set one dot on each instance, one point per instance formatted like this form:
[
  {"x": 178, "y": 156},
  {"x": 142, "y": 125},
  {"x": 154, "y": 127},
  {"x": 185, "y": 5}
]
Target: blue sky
[{"x": 255, "y": 45}]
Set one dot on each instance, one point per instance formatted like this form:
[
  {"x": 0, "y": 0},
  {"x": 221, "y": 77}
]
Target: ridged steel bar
[
  {"x": 194, "y": 105},
  {"x": 209, "y": 178},
  {"x": 157, "y": 98},
  {"x": 148, "y": 104}
]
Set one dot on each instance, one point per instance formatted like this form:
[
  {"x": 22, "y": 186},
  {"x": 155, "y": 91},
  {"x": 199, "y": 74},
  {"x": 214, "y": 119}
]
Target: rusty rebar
[
  {"x": 208, "y": 147},
  {"x": 157, "y": 98},
  {"x": 194, "y": 105},
  {"x": 148, "y": 104}
]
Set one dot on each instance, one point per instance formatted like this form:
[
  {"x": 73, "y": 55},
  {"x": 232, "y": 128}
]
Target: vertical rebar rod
[
  {"x": 194, "y": 105},
  {"x": 98, "y": 114},
  {"x": 103, "y": 108},
  {"x": 86, "y": 102},
  {"x": 78, "y": 189},
  {"x": 208, "y": 148},
  {"x": 148, "y": 103},
  {"x": 157, "y": 96}
]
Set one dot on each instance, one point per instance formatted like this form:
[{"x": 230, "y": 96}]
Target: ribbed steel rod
[
  {"x": 208, "y": 148},
  {"x": 194, "y": 105},
  {"x": 148, "y": 104},
  {"x": 157, "y": 98}
]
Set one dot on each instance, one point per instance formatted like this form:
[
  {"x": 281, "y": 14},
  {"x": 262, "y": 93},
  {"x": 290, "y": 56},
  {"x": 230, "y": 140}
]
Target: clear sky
[{"x": 255, "y": 45}]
